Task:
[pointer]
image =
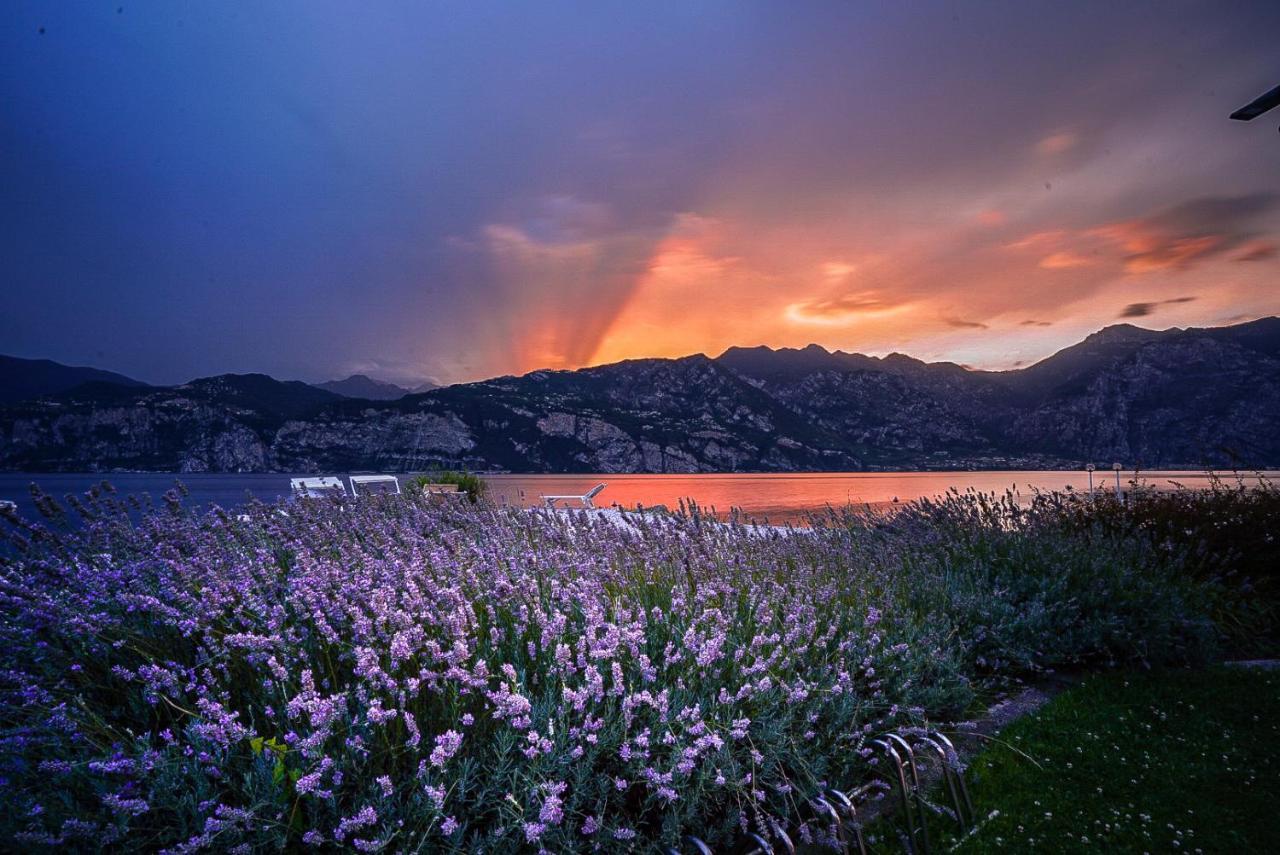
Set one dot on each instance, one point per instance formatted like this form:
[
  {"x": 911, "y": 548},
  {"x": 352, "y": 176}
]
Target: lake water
[{"x": 775, "y": 496}]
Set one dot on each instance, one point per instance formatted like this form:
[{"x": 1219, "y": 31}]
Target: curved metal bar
[
  {"x": 825, "y": 807},
  {"x": 696, "y": 843},
  {"x": 918, "y": 791},
  {"x": 859, "y": 793},
  {"x": 948, "y": 775},
  {"x": 964, "y": 789},
  {"x": 910, "y": 754},
  {"x": 903, "y": 791},
  {"x": 839, "y": 799},
  {"x": 762, "y": 846},
  {"x": 781, "y": 835},
  {"x": 846, "y": 805}
]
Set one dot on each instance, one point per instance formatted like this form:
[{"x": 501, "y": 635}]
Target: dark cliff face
[{"x": 1177, "y": 398}]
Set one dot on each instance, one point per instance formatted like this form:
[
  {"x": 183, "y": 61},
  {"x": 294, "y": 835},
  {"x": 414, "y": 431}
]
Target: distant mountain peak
[
  {"x": 1126, "y": 333},
  {"x": 740, "y": 349},
  {"x": 364, "y": 386}
]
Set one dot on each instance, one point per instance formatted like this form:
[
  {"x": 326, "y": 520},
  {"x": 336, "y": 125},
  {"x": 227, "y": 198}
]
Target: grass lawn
[{"x": 1170, "y": 761}]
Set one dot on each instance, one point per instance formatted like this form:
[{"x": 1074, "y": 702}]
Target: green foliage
[
  {"x": 273, "y": 745},
  {"x": 1010, "y": 590},
  {"x": 470, "y": 483},
  {"x": 1227, "y": 535}
]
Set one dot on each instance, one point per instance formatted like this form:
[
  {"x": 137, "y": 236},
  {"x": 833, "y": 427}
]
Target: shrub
[
  {"x": 470, "y": 483},
  {"x": 415, "y": 675},
  {"x": 1228, "y": 535}
]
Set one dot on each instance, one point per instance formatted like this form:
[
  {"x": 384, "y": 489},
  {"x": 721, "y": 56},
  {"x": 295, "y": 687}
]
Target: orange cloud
[
  {"x": 1260, "y": 251},
  {"x": 1148, "y": 249},
  {"x": 1057, "y": 144},
  {"x": 1064, "y": 260},
  {"x": 1178, "y": 254},
  {"x": 1038, "y": 239},
  {"x": 840, "y": 310},
  {"x": 1175, "y": 238},
  {"x": 684, "y": 261},
  {"x": 1181, "y": 236},
  {"x": 962, "y": 324},
  {"x": 837, "y": 269}
]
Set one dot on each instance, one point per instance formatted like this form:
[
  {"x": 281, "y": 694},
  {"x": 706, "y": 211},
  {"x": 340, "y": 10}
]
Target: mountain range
[{"x": 1174, "y": 398}]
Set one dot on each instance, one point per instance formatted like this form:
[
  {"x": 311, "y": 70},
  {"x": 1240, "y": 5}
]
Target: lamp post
[
  {"x": 1116, "y": 466},
  {"x": 1089, "y": 467}
]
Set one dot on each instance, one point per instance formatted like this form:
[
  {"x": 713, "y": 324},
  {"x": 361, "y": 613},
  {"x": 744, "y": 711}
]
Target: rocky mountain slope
[{"x": 1197, "y": 397}]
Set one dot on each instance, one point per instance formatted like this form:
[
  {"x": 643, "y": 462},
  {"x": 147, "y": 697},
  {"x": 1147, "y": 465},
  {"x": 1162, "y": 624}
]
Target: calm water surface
[
  {"x": 781, "y": 497},
  {"x": 778, "y": 497}
]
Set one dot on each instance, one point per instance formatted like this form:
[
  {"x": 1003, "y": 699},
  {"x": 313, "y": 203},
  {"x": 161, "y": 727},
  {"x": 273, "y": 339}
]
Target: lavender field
[{"x": 393, "y": 675}]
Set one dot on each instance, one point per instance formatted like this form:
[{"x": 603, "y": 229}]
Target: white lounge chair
[
  {"x": 585, "y": 498},
  {"x": 315, "y": 488},
  {"x": 374, "y": 484}
]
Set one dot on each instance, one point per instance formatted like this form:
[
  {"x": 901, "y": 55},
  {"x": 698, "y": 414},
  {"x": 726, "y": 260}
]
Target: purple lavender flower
[{"x": 447, "y": 745}]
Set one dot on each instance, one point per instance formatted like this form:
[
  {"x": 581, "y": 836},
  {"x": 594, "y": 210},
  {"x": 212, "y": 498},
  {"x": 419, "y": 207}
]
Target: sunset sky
[{"x": 461, "y": 190}]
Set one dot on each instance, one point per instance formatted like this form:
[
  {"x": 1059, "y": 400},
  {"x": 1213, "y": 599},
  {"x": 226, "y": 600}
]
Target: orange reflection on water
[{"x": 789, "y": 497}]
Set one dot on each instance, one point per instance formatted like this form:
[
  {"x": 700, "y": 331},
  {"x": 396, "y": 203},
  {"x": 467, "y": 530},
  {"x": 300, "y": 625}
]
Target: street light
[
  {"x": 1116, "y": 466},
  {"x": 1089, "y": 467}
]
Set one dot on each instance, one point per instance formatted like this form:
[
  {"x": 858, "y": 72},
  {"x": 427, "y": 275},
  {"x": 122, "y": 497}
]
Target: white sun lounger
[
  {"x": 315, "y": 488},
  {"x": 374, "y": 484},
  {"x": 585, "y": 498}
]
